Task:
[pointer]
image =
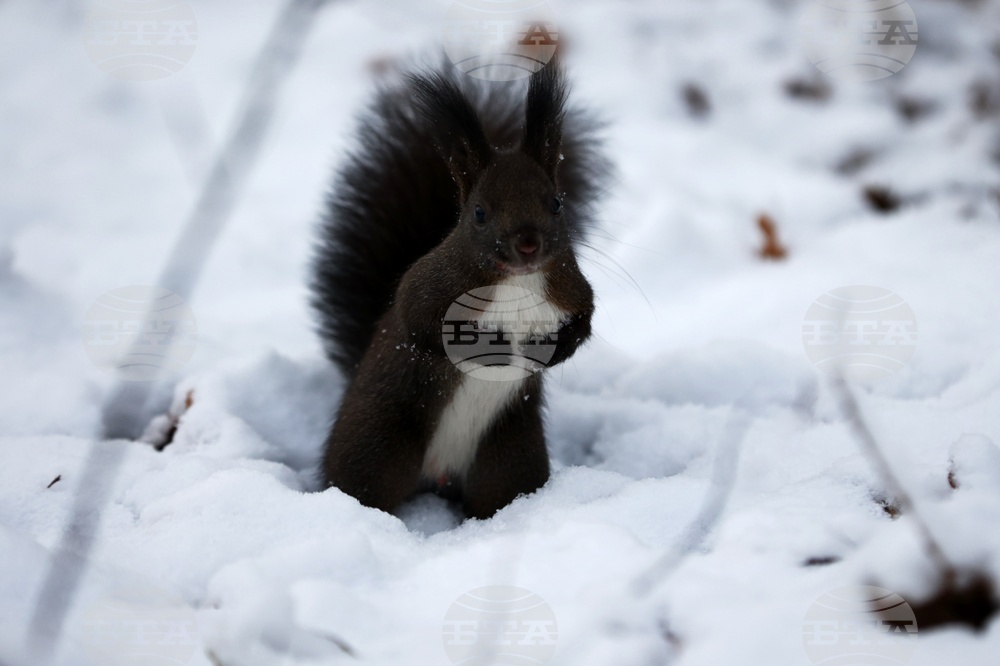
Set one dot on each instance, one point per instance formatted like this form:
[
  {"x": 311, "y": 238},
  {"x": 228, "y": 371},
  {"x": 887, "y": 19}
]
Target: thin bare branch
[
  {"x": 869, "y": 446},
  {"x": 724, "y": 473}
]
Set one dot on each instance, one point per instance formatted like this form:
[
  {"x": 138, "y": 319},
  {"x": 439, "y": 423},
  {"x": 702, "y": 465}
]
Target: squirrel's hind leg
[
  {"x": 379, "y": 471},
  {"x": 511, "y": 459}
]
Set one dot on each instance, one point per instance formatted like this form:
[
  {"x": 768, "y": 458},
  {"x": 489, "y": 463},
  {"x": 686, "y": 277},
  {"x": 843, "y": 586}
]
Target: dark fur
[{"x": 400, "y": 244}]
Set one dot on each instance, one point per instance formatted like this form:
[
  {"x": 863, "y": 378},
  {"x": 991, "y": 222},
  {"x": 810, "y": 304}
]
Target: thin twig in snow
[
  {"x": 724, "y": 472},
  {"x": 869, "y": 446},
  {"x": 123, "y": 413}
]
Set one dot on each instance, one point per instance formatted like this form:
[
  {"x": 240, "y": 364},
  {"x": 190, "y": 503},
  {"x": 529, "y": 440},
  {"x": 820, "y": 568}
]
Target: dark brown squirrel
[{"x": 461, "y": 191}]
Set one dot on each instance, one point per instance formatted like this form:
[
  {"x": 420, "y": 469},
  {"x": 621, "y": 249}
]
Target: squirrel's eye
[
  {"x": 480, "y": 214},
  {"x": 557, "y": 205}
]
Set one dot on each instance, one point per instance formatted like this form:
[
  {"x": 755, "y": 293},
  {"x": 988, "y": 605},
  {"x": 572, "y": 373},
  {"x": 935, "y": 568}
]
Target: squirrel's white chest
[{"x": 479, "y": 399}]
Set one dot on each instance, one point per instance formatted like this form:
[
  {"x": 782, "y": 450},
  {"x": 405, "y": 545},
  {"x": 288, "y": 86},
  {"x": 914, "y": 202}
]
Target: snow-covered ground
[{"x": 697, "y": 370}]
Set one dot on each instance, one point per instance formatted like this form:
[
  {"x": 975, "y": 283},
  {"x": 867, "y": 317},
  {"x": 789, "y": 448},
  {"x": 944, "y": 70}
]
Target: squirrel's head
[{"x": 510, "y": 205}]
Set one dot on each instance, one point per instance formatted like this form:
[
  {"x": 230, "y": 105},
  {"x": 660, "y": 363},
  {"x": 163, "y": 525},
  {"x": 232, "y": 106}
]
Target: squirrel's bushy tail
[{"x": 394, "y": 198}]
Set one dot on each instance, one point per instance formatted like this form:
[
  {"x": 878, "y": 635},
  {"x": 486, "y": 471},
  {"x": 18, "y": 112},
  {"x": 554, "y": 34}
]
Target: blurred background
[
  {"x": 715, "y": 113},
  {"x": 762, "y": 161}
]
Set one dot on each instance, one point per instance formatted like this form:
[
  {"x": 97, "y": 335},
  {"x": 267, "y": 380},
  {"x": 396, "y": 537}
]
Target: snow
[{"x": 695, "y": 394}]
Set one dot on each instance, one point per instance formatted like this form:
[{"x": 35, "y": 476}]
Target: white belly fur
[{"x": 477, "y": 402}]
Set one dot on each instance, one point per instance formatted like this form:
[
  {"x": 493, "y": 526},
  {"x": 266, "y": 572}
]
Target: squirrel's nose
[{"x": 528, "y": 245}]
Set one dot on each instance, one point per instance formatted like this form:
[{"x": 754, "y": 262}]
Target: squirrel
[{"x": 452, "y": 230}]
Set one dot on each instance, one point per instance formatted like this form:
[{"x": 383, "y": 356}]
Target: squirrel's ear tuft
[
  {"x": 454, "y": 126},
  {"x": 545, "y": 111}
]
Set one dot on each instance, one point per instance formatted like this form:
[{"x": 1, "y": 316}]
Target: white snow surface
[{"x": 224, "y": 534}]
